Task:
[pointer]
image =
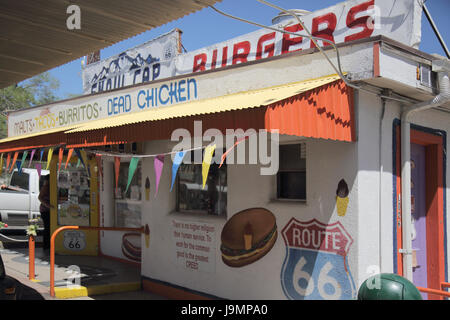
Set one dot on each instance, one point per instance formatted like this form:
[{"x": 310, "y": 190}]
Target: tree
[{"x": 35, "y": 91}]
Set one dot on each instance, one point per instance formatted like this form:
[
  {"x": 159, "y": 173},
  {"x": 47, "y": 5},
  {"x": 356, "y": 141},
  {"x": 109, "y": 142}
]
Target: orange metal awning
[
  {"x": 318, "y": 108},
  {"x": 325, "y": 112}
]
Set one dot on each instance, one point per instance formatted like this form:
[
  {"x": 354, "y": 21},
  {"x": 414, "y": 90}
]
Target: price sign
[
  {"x": 316, "y": 266},
  {"x": 74, "y": 240}
]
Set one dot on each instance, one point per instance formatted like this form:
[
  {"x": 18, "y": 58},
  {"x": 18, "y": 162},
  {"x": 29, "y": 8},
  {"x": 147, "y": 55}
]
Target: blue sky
[{"x": 207, "y": 27}]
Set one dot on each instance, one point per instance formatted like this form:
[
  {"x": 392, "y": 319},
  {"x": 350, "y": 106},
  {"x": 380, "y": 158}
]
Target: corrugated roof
[
  {"x": 237, "y": 101},
  {"x": 34, "y": 36},
  {"x": 36, "y": 134}
]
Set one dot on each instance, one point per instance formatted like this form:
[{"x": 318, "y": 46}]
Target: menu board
[{"x": 73, "y": 196}]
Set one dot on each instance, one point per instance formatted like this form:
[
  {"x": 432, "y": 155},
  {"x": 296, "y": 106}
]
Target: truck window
[{"x": 20, "y": 180}]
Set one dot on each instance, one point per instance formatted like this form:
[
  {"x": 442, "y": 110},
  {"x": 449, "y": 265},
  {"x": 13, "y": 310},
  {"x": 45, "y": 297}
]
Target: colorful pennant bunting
[
  {"x": 229, "y": 150},
  {"x": 13, "y": 162},
  {"x": 8, "y": 160},
  {"x": 81, "y": 154},
  {"x": 42, "y": 154},
  {"x": 158, "y": 164},
  {"x": 131, "y": 169},
  {"x": 69, "y": 155},
  {"x": 60, "y": 157},
  {"x": 19, "y": 166},
  {"x": 176, "y": 164},
  {"x": 31, "y": 157},
  {"x": 207, "y": 157},
  {"x": 24, "y": 157},
  {"x": 49, "y": 157},
  {"x": 39, "y": 168},
  {"x": 1, "y": 163}
]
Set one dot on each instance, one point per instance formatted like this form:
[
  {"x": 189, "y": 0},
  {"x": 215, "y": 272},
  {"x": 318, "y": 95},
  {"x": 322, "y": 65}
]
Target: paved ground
[
  {"x": 132, "y": 295},
  {"x": 94, "y": 271}
]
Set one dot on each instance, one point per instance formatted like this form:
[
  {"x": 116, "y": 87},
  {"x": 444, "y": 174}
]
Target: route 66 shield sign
[
  {"x": 74, "y": 240},
  {"x": 316, "y": 266}
]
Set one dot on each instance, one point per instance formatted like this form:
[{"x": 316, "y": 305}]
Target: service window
[
  {"x": 128, "y": 204},
  {"x": 192, "y": 198},
  {"x": 291, "y": 176}
]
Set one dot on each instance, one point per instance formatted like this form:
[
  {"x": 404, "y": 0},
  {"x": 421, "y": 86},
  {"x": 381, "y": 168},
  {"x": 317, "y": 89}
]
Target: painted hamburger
[
  {"x": 248, "y": 236},
  {"x": 131, "y": 246}
]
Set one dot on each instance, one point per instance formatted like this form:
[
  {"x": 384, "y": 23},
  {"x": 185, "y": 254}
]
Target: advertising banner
[
  {"x": 399, "y": 20},
  {"x": 149, "y": 61}
]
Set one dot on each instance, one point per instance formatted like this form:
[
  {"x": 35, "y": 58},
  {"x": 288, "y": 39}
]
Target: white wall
[
  {"x": 327, "y": 163},
  {"x": 369, "y": 113}
]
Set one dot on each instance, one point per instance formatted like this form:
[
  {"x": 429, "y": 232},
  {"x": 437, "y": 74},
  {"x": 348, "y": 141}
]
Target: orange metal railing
[
  {"x": 441, "y": 293},
  {"x": 52, "y": 246},
  {"x": 445, "y": 285},
  {"x": 31, "y": 264}
]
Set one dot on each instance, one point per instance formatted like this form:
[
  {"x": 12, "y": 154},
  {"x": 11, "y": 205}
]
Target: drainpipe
[{"x": 441, "y": 98}]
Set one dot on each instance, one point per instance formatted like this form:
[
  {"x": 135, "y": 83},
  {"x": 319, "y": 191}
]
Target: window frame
[
  {"x": 278, "y": 176},
  {"x": 203, "y": 213}
]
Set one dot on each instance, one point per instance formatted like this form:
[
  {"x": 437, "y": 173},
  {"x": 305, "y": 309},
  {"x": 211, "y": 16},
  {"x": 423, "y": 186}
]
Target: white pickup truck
[{"x": 19, "y": 199}]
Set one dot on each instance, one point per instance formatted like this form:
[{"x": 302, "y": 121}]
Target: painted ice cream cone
[
  {"x": 147, "y": 189},
  {"x": 248, "y": 236},
  {"x": 342, "y": 198},
  {"x": 147, "y": 236}
]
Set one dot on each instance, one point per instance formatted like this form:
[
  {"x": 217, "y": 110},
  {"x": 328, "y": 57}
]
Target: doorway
[
  {"x": 419, "y": 217},
  {"x": 428, "y": 209}
]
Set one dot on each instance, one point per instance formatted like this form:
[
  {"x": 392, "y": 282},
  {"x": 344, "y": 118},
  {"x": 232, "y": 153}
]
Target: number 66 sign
[
  {"x": 74, "y": 240},
  {"x": 315, "y": 266}
]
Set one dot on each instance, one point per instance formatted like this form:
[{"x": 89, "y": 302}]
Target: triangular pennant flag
[
  {"x": 176, "y": 164},
  {"x": 228, "y": 151},
  {"x": 78, "y": 162},
  {"x": 60, "y": 157},
  {"x": 19, "y": 166},
  {"x": 49, "y": 157},
  {"x": 39, "y": 168},
  {"x": 31, "y": 157},
  {"x": 116, "y": 169},
  {"x": 8, "y": 160},
  {"x": 98, "y": 158},
  {"x": 24, "y": 157},
  {"x": 14, "y": 161},
  {"x": 69, "y": 155},
  {"x": 1, "y": 163},
  {"x": 131, "y": 169},
  {"x": 207, "y": 156},
  {"x": 42, "y": 154},
  {"x": 80, "y": 154},
  {"x": 158, "y": 164}
]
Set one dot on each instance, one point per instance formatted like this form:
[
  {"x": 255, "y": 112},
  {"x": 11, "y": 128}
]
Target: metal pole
[
  {"x": 436, "y": 31},
  {"x": 31, "y": 264}
]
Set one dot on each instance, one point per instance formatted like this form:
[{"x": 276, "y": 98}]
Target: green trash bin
[{"x": 388, "y": 286}]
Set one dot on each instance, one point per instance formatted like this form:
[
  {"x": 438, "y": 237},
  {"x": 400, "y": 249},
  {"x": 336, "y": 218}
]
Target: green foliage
[{"x": 35, "y": 91}]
